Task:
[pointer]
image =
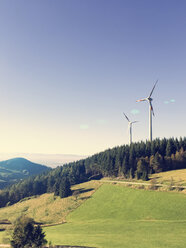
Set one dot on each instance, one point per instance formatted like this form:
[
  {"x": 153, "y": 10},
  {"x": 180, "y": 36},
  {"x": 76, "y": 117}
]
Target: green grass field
[
  {"x": 114, "y": 216},
  {"x": 117, "y": 216}
]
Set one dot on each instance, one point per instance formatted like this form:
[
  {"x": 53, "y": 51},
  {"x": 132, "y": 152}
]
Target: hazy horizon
[
  {"x": 69, "y": 69},
  {"x": 51, "y": 160}
]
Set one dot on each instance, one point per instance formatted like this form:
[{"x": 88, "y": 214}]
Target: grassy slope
[
  {"x": 48, "y": 208},
  {"x": 117, "y": 216},
  {"x": 174, "y": 178},
  {"x": 178, "y": 176}
]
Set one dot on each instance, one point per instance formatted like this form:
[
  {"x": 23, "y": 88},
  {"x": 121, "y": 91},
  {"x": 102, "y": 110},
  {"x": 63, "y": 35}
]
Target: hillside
[
  {"x": 15, "y": 169},
  {"x": 108, "y": 216},
  {"x": 47, "y": 208},
  {"x": 137, "y": 161},
  {"x": 117, "y": 216},
  {"x": 175, "y": 177}
]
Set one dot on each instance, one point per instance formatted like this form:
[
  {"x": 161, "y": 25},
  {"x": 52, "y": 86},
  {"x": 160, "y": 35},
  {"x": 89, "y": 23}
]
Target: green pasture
[{"x": 117, "y": 216}]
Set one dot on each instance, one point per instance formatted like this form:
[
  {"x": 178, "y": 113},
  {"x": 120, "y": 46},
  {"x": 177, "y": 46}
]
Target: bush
[{"x": 25, "y": 234}]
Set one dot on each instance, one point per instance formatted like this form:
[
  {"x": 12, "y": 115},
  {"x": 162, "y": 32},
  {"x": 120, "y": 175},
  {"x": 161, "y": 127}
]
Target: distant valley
[
  {"x": 13, "y": 170},
  {"x": 17, "y": 166},
  {"x": 51, "y": 160}
]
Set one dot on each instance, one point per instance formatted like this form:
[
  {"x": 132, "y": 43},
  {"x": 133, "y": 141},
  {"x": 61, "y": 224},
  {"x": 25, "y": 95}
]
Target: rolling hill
[
  {"x": 107, "y": 215},
  {"x": 117, "y": 217},
  {"x": 47, "y": 208},
  {"x": 139, "y": 161},
  {"x": 15, "y": 169}
]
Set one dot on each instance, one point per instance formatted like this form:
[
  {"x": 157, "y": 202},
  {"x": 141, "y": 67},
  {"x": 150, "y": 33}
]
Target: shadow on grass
[
  {"x": 85, "y": 198},
  {"x": 77, "y": 192},
  {"x": 5, "y": 222},
  {"x": 82, "y": 190}
]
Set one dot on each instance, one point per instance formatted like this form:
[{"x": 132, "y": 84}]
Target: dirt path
[{"x": 144, "y": 184}]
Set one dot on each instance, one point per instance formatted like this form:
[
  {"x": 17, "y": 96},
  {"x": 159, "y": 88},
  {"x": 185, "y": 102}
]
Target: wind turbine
[
  {"x": 130, "y": 128},
  {"x": 151, "y": 111}
]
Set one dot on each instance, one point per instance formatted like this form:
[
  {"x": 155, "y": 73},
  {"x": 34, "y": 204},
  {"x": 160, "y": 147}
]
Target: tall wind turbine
[
  {"x": 151, "y": 111},
  {"x": 130, "y": 128}
]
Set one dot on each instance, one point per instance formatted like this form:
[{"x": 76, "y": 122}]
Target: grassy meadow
[
  {"x": 178, "y": 177},
  {"x": 47, "y": 208},
  {"x": 117, "y": 216}
]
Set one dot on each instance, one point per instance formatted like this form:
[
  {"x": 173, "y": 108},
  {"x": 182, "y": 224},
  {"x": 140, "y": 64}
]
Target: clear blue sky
[{"x": 69, "y": 68}]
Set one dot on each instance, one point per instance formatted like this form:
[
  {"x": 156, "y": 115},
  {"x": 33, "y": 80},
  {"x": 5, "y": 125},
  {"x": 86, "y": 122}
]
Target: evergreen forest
[{"x": 138, "y": 160}]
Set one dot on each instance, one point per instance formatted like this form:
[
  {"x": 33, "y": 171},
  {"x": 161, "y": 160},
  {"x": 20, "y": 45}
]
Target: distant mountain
[
  {"x": 51, "y": 160},
  {"x": 15, "y": 169}
]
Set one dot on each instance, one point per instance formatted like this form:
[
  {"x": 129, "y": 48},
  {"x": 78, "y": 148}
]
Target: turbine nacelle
[
  {"x": 149, "y": 99},
  {"x": 130, "y": 122}
]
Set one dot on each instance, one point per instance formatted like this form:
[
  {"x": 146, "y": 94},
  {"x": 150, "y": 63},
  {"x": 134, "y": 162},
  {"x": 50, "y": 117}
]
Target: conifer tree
[
  {"x": 25, "y": 234},
  {"x": 157, "y": 163},
  {"x": 142, "y": 169},
  {"x": 64, "y": 188}
]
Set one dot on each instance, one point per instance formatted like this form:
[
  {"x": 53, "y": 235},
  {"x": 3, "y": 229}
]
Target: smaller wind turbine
[{"x": 130, "y": 128}]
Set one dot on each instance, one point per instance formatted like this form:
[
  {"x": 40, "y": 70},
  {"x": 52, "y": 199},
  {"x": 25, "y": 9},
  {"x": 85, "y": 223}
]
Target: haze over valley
[{"x": 51, "y": 160}]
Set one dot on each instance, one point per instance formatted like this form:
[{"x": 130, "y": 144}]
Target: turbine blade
[
  {"x": 152, "y": 108},
  {"x": 141, "y": 100},
  {"x": 126, "y": 117},
  {"x": 134, "y": 122},
  {"x": 153, "y": 88}
]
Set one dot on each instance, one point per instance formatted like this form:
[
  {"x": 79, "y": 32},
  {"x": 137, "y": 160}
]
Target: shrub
[{"x": 25, "y": 234}]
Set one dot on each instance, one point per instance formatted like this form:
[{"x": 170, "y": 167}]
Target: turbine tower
[
  {"x": 130, "y": 128},
  {"x": 151, "y": 111}
]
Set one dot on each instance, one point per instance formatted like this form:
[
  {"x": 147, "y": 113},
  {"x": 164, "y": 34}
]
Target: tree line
[{"x": 135, "y": 161}]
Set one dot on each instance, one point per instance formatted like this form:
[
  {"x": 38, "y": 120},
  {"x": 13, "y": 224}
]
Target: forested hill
[
  {"x": 137, "y": 160},
  {"x": 13, "y": 170}
]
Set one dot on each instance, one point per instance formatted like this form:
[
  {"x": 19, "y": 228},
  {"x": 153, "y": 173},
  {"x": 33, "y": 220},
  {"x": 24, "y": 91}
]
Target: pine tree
[
  {"x": 64, "y": 188},
  {"x": 171, "y": 148},
  {"x": 125, "y": 166},
  {"x": 162, "y": 148},
  {"x": 25, "y": 234},
  {"x": 38, "y": 237},
  {"x": 157, "y": 165},
  {"x": 142, "y": 169}
]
